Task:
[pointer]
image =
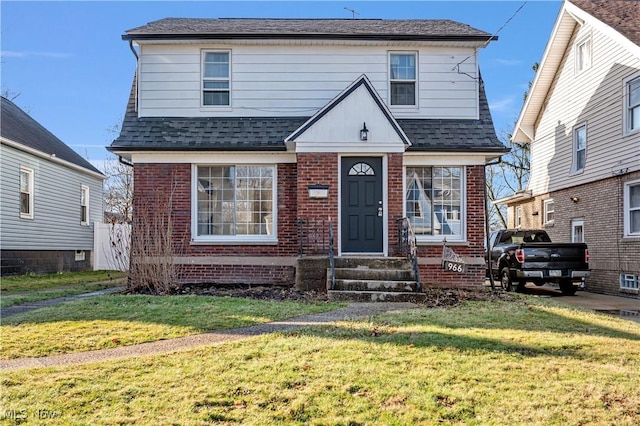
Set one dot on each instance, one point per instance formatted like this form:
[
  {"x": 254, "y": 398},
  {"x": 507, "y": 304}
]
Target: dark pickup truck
[{"x": 520, "y": 256}]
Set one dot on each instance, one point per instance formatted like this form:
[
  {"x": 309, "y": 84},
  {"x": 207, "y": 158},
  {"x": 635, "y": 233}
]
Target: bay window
[
  {"x": 434, "y": 201},
  {"x": 235, "y": 202}
]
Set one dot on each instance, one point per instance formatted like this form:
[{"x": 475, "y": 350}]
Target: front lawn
[
  {"x": 529, "y": 361},
  {"x": 33, "y": 288},
  {"x": 117, "y": 320}
]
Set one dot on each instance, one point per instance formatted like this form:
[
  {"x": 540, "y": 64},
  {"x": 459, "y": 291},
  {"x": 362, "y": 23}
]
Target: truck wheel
[
  {"x": 505, "y": 280},
  {"x": 567, "y": 288}
]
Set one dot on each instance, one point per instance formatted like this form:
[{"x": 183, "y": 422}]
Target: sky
[{"x": 66, "y": 65}]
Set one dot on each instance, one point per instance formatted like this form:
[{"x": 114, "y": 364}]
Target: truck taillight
[
  {"x": 586, "y": 255},
  {"x": 520, "y": 255}
]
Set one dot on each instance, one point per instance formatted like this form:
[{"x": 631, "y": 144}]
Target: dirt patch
[{"x": 436, "y": 297}]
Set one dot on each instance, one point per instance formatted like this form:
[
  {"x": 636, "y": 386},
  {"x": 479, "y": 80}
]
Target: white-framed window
[
  {"x": 629, "y": 282},
  {"x": 548, "y": 209},
  {"x": 84, "y": 205},
  {"x": 632, "y": 104},
  {"x": 80, "y": 255},
  {"x": 403, "y": 83},
  {"x": 26, "y": 192},
  {"x": 583, "y": 54},
  {"x": 579, "y": 148},
  {"x": 216, "y": 78},
  {"x": 632, "y": 209},
  {"x": 434, "y": 202},
  {"x": 518, "y": 218},
  {"x": 234, "y": 203},
  {"x": 577, "y": 231}
]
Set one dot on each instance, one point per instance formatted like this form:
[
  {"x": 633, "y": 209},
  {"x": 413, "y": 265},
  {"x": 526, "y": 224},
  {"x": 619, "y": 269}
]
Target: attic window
[
  {"x": 583, "y": 55},
  {"x": 216, "y": 80}
]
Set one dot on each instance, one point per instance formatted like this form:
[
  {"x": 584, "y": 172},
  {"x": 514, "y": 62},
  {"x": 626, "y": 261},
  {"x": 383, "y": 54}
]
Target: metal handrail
[
  {"x": 407, "y": 244},
  {"x": 332, "y": 260}
]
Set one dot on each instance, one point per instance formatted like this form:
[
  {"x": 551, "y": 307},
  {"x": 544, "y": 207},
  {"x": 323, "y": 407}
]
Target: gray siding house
[{"x": 50, "y": 198}]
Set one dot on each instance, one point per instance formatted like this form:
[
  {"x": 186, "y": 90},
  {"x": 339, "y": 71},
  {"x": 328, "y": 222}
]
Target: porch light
[{"x": 364, "y": 133}]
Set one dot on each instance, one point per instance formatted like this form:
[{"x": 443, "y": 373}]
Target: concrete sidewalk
[{"x": 355, "y": 310}]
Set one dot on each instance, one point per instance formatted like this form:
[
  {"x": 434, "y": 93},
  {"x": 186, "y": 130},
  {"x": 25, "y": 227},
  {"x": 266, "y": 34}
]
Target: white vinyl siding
[
  {"x": 632, "y": 209},
  {"x": 595, "y": 97},
  {"x": 287, "y": 80},
  {"x": 56, "y": 222},
  {"x": 27, "y": 193}
]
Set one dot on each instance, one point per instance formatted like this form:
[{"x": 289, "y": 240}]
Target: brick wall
[{"x": 600, "y": 205}]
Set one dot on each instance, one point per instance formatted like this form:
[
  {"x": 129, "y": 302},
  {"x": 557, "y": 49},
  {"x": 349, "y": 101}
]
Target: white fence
[{"x": 111, "y": 245}]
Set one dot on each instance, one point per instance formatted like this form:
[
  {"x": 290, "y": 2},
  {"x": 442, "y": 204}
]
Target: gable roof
[
  {"x": 349, "y": 29},
  {"x": 361, "y": 81},
  {"x": 620, "y": 19},
  {"x": 269, "y": 133},
  {"x": 18, "y": 127}
]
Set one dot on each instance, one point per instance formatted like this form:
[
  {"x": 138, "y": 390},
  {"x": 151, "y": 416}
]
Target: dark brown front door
[{"x": 362, "y": 209}]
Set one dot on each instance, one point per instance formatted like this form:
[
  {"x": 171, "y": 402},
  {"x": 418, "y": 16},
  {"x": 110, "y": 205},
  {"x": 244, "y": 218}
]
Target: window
[
  {"x": 434, "y": 201},
  {"x": 579, "y": 148},
  {"x": 548, "y": 210},
  {"x": 84, "y": 205},
  {"x": 583, "y": 55},
  {"x": 216, "y": 78},
  {"x": 518, "y": 216},
  {"x": 402, "y": 78},
  {"x": 235, "y": 202},
  {"x": 26, "y": 193},
  {"x": 629, "y": 282},
  {"x": 632, "y": 104},
  {"x": 577, "y": 231},
  {"x": 80, "y": 255},
  {"x": 632, "y": 209}
]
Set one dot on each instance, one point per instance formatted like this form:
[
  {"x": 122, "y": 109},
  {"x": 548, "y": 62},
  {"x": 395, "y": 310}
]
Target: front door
[{"x": 362, "y": 208}]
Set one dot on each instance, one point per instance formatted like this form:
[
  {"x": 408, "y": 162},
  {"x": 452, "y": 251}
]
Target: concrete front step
[
  {"x": 375, "y": 285},
  {"x": 375, "y": 296},
  {"x": 365, "y": 273},
  {"x": 373, "y": 262}
]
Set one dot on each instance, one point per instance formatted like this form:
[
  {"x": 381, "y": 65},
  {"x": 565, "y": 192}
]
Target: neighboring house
[
  {"x": 50, "y": 197},
  {"x": 263, "y": 130},
  {"x": 582, "y": 118}
]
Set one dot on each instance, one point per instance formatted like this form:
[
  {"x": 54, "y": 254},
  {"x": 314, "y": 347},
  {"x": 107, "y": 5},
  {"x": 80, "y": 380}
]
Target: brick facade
[
  {"x": 600, "y": 206},
  {"x": 275, "y": 263}
]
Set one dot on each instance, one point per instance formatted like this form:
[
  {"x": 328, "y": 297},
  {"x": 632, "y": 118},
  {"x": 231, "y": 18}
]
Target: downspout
[{"x": 486, "y": 223}]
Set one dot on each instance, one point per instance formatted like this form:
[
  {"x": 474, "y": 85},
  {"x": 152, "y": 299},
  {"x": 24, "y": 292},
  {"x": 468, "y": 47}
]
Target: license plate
[{"x": 555, "y": 273}]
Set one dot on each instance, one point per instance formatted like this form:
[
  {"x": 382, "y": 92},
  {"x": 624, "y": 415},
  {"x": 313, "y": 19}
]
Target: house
[
  {"x": 582, "y": 119},
  {"x": 266, "y": 132},
  {"x": 51, "y": 197}
]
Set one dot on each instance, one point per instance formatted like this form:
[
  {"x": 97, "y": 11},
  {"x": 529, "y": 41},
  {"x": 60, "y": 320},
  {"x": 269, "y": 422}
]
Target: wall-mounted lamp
[
  {"x": 575, "y": 199},
  {"x": 364, "y": 132}
]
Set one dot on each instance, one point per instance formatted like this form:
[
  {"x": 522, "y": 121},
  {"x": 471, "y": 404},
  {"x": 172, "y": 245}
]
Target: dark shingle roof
[
  {"x": 17, "y": 126},
  {"x": 394, "y": 29},
  {"x": 622, "y": 15},
  {"x": 268, "y": 133}
]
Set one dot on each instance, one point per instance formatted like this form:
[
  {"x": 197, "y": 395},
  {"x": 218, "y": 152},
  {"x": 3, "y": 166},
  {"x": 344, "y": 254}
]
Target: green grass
[
  {"x": 33, "y": 288},
  {"x": 33, "y": 282},
  {"x": 117, "y": 320},
  {"x": 519, "y": 363}
]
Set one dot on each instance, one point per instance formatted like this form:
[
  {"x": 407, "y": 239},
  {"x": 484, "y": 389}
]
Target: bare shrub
[{"x": 155, "y": 243}]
